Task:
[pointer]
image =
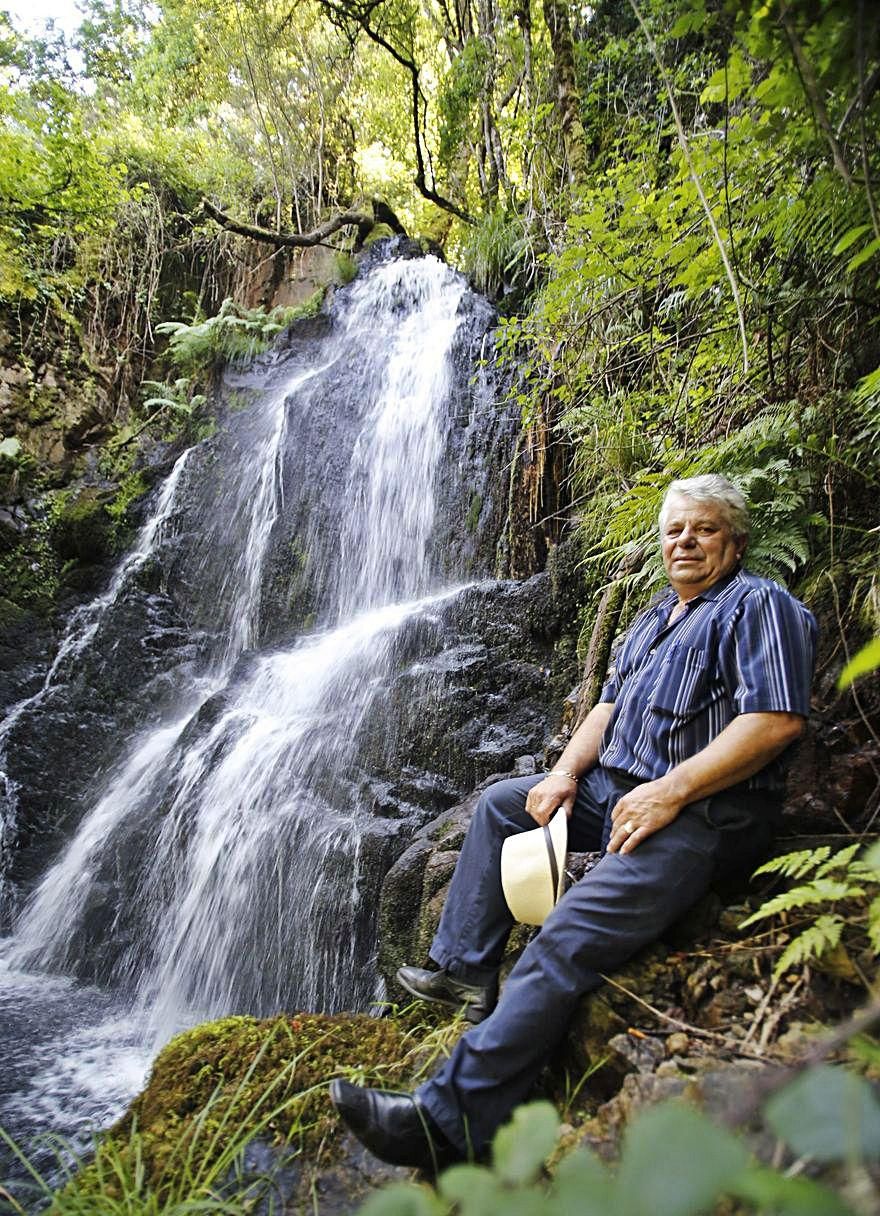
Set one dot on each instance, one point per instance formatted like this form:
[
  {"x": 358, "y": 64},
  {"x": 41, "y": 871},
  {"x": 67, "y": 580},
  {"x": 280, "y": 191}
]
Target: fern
[
  {"x": 234, "y": 333},
  {"x": 819, "y": 891},
  {"x": 839, "y": 861},
  {"x": 840, "y": 897},
  {"x": 795, "y": 865},
  {"x": 821, "y": 937}
]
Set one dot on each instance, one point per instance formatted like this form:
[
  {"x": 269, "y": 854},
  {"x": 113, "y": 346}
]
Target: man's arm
[
  {"x": 744, "y": 747},
  {"x": 579, "y": 756}
]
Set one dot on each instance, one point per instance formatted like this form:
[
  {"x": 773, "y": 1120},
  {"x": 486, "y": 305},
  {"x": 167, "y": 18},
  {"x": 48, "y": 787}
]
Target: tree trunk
[{"x": 567, "y": 98}]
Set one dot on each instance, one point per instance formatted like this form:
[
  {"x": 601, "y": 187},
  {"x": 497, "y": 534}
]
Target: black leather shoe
[
  {"x": 476, "y": 1002},
  {"x": 394, "y": 1127}
]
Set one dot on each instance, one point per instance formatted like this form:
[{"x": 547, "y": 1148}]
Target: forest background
[{"x": 673, "y": 203}]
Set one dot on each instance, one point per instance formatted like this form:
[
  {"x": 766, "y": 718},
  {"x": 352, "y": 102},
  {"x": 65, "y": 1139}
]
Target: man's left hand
[{"x": 643, "y": 811}]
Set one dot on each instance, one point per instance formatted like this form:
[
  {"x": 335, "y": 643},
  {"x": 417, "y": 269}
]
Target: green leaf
[
  {"x": 730, "y": 82},
  {"x": 871, "y": 858},
  {"x": 864, "y": 254},
  {"x": 583, "y": 1186},
  {"x": 676, "y": 1163},
  {"x": 815, "y": 940},
  {"x": 521, "y": 1146},
  {"x": 850, "y": 237},
  {"x": 867, "y": 660},
  {"x": 772, "y": 1192},
  {"x": 403, "y": 1199},
  {"x": 828, "y": 1114},
  {"x": 472, "y": 1187},
  {"x": 838, "y": 861},
  {"x": 795, "y": 865},
  {"x": 819, "y": 891}
]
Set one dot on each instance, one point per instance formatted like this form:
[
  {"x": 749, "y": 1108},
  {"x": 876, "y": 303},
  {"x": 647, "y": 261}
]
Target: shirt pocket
[{"x": 683, "y": 687}]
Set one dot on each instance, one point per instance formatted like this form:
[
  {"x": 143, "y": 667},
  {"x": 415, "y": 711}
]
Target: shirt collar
[{"x": 665, "y": 598}]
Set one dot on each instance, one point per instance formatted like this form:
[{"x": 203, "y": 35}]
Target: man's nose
[{"x": 687, "y": 537}]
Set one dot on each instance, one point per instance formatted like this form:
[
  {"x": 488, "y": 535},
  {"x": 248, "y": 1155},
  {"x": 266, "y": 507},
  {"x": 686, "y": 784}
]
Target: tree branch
[
  {"x": 289, "y": 240},
  {"x": 861, "y": 99},
  {"x": 351, "y": 12},
  {"x": 811, "y": 88}
]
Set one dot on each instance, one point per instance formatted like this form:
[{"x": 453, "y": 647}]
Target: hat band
[{"x": 554, "y": 868}]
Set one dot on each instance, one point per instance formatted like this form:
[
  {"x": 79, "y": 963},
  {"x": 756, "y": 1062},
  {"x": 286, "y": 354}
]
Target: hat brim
[{"x": 533, "y": 870}]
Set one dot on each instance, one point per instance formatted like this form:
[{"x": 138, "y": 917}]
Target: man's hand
[
  {"x": 545, "y": 797},
  {"x": 743, "y": 748},
  {"x": 643, "y": 811}
]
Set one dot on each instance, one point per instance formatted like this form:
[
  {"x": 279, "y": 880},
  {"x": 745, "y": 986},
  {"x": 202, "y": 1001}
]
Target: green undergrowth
[
  {"x": 218, "y": 1087},
  {"x": 233, "y": 333},
  {"x": 181, "y": 1147},
  {"x": 675, "y": 1162}
]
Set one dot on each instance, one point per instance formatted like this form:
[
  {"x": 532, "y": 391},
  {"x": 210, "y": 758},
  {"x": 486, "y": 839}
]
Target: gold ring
[{"x": 628, "y": 828}]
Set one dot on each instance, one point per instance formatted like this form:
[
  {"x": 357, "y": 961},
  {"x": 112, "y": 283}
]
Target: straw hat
[{"x": 533, "y": 870}]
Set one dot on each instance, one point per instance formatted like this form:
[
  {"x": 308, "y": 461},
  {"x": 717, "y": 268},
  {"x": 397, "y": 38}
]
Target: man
[{"x": 675, "y": 774}]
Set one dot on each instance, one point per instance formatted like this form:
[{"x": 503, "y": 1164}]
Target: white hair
[{"x": 713, "y": 487}]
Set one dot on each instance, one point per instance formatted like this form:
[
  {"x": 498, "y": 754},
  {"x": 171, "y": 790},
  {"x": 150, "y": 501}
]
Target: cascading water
[{"x": 230, "y": 858}]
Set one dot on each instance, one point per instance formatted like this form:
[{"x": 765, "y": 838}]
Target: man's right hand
[{"x": 548, "y": 795}]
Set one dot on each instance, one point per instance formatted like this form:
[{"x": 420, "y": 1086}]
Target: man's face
[{"x": 698, "y": 545}]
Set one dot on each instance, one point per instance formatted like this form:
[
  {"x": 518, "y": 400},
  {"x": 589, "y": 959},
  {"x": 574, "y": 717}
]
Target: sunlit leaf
[
  {"x": 521, "y": 1146},
  {"x": 867, "y": 660}
]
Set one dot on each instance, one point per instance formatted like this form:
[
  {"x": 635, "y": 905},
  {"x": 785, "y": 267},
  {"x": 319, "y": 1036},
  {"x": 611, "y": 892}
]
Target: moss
[
  {"x": 225, "y": 1080},
  {"x": 473, "y": 515},
  {"x": 30, "y": 578},
  {"x": 132, "y": 487},
  {"x": 82, "y": 527},
  {"x": 10, "y": 614},
  {"x": 379, "y": 232}
]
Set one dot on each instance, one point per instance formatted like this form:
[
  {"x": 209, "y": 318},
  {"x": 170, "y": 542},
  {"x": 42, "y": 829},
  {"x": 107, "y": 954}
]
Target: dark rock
[
  {"x": 642, "y": 1052},
  {"x": 83, "y": 530}
]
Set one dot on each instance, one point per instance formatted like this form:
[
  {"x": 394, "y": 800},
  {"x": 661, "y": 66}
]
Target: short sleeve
[{"x": 770, "y": 663}]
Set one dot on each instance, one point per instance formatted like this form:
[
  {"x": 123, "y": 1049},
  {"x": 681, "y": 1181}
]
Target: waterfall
[
  {"x": 81, "y": 631},
  {"x": 230, "y": 858}
]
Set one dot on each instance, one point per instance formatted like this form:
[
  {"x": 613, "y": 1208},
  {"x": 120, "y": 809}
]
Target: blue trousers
[{"x": 622, "y": 904}]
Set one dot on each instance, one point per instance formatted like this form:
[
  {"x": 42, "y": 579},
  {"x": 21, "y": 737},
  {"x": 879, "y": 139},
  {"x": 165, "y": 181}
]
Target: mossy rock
[
  {"x": 379, "y": 232},
  {"x": 223, "y": 1083},
  {"x": 83, "y": 529}
]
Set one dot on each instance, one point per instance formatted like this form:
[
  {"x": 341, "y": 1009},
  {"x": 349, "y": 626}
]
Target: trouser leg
[
  {"x": 625, "y": 902},
  {"x": 476, "y": 923}
]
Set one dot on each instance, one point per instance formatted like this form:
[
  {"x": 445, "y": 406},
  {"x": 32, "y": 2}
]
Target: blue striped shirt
[{"x": 744, "y": 646}]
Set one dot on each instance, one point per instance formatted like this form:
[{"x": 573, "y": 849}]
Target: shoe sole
[{"x": 468, "y": 1011}]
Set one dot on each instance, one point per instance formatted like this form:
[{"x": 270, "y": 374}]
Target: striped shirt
[{"x": 744, "y": 646}]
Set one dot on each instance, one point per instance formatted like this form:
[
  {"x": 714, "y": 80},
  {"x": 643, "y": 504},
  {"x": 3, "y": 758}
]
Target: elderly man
[{"x": 675, "y": 774}]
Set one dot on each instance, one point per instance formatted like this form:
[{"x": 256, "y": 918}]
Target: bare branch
[{"x": 289, "y": 240}]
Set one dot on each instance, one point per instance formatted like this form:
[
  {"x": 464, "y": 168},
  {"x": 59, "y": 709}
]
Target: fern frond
[
  {"x": 821, "y": 936},
  {"x": 838, "y": 861},
  {"x": 871, "y": 859},
  {"x": 874, "y": 924},
  {"x": 795, "y": 865},
  {"x": 819, "y": 891}
]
